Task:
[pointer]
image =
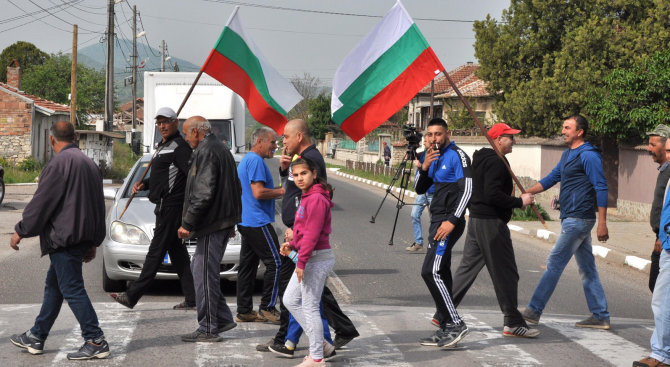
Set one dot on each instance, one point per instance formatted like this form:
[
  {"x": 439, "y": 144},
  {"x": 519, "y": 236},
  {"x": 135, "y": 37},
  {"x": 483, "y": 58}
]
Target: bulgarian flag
[
  {"x": 381, "y": 74},
  {"x": 238, "y": 64}
]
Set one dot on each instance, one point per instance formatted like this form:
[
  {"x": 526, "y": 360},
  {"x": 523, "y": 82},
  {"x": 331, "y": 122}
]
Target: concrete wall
[
  {"x": 525, "y": 160},
  {"x": 551, "y": 155},
  {"x": 41, "y": 147},
  {"x": 637, "y": 176}
]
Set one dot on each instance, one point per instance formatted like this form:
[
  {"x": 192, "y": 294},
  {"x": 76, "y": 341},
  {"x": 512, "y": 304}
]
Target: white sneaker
[
  {"x": 328, "y": 351},
  {"x": 309, "y": 362},
  {"x": 414, "y": 248},
  {"x": 520, "y": 332}
]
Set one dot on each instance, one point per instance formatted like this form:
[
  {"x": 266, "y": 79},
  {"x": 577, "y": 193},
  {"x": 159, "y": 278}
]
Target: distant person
[
  {"x": 387, "y": 154},
  {"x": 656, "y": 149},
  {"x": 212, "y": 208},
  {"x": 583, "y": 186},
  {"x": 334, "y": 149},
  {"x": 68, "y": 213},
  {"x": 166, "y": 186},
  {"x": 259, "y": 240},
  {"x": 421, "y": 202}
]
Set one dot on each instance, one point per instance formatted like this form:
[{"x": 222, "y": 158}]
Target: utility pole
[
  {"x": 73, "y": 78},
  {"x": 109, "y": 69},
  {"x": 432, "y": 98},
  {"x": 132, "y": 139},
  {"x": 162, "y": 55}
]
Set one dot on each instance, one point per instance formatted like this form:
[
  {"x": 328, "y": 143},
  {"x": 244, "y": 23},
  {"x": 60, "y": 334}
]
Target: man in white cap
[{"x": 166, "y": 186}]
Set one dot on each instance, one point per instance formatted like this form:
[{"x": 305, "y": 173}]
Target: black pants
[
  {"x": 342, "y": 325},
  {"x": 168, "y": 221},
  {"x": 258, "y": 243},
  {"x": 488, "y": 242},
  {"x": 654, "y": 270},
  {"x": 436, "y": 271}
]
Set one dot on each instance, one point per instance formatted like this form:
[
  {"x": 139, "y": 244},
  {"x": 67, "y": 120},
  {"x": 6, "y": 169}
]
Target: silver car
[{"x": 127, "y": 241}]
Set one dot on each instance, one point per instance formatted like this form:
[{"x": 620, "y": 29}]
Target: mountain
[{"x": 94, "y": 56}]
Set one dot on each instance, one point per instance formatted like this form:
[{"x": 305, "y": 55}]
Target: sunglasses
[{"x": 508, "y": 136}]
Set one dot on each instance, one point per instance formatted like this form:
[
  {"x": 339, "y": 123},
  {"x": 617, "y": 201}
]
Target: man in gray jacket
[
  {"x": 68, "y": 213},
  {"x": 212, "y": 208}
]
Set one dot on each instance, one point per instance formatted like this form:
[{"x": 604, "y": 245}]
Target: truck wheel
[{"x": 111, "y": 285}]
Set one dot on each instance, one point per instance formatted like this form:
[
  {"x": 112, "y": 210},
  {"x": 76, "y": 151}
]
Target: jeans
[
  {"x": 575, "y": 239},
  {"x": 65, "y": 282},
  {"x": 660, "y": 305},
  {"x": 417, "y": 210}
]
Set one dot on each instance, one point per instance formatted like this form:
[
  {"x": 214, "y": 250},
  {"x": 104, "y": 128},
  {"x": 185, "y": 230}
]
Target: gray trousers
[{"x": 213, "y": 312}]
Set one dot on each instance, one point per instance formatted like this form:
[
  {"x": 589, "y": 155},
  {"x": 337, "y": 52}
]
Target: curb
[
  {"x": 634, "y": 262},
  {"x": 411, "y": 194}
]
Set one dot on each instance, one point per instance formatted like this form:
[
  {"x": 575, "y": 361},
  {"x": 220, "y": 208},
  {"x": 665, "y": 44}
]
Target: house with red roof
[{"x": 25, "y": 120}]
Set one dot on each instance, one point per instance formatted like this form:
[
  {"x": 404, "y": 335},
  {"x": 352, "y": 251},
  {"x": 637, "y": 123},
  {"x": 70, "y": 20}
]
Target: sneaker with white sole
[
  {"x": 309, "y": 362},
  {"x": 282, "y": 351},
  {"x": 454, "y": 335},
  {"x": 33, "y": 346},
  {"x": 328, "y": 351},
  {"x": 90, "y": 350},
  {"x": 594, "y": 323},
  {"x": 414, "y": 248},
  {"x": 520, "y": 332}
]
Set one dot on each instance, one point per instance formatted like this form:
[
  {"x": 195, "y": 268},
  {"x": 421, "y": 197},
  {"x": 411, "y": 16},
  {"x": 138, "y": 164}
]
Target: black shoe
[
  {"x": 24, "y": 341},
  {"x": 265, "y": 347},
  {"x": 282, "y": 351},
  {"x": 90, "y": 351},
  {"x": 183, "y": 306},
  {"x": 454, "y": 335},
  {"x": 434, "y": 339},
  {"x": 198, "y": 337},
  {"x": 123, "y": 299},
  {"x": 226, "y": 327},
  {"x": 341, "y": 341}
]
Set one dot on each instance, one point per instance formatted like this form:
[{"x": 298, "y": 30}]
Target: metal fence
[{"x": 347, "y": 144}]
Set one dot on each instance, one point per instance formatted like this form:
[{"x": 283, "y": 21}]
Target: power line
[
  {"x": 83, "y": 43},
  {"x": 87, "y": 21},
  {"x": 61, "y": 19},
  {"x": 30, "y": 14},
  {"x": 145, "y": 35},
  {"x": 35, "y": 20}
]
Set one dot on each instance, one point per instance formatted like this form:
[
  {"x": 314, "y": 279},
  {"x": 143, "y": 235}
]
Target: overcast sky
[{"x": 293, "y": 41}]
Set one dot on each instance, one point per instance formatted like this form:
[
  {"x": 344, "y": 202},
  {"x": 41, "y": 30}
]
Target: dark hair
[
  {"x": 312, "y": 167},
  {"x": 581, "y": 122},
  {"x": 438, "y": 122},
  {"x": 63, "y": 132}
]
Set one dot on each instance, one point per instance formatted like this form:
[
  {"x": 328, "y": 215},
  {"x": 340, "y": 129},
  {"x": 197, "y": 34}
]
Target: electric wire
[
  {"x": 61, "y": 19},
  {"x": 87, "y": 21}
]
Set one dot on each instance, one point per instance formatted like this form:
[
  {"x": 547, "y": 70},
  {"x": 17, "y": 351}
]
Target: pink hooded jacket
[{"x": 312, "y": 224}]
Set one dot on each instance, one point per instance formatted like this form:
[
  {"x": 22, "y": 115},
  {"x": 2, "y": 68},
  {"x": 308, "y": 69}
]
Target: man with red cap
[{"x": 488, "y": 240}]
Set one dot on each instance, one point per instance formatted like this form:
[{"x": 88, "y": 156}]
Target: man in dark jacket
[
  {"x": 297, "y": 141},
  {"x": 656, "y": 149},
  {"x": 166, "y": 189},
  {"x": 212, "y": 208},
  {"x": 488, "y": 240},
  {"x": 68, "y": 213}
]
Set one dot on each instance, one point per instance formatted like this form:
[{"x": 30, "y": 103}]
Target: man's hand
[
  {"x": 285, "y": 249},
  {"x": 603, "y": 234},
  {"x": 417, "y": 163},
  {"x": 14, "y": 241},
  {"x": 90, "y": 254},
  {"x": 138, "y": 186},
  {"x": 299, "y": 273},
  {"x": 445, "y": 228},
  {"x": 288, "y": 235},
  {"x": 285, "y": 160},
  {"x": 431, "y": 156},
  {"x": 182, "y": 233},
  {"x": 527, "y": 199},
  {"x": 657, "y": 246}
]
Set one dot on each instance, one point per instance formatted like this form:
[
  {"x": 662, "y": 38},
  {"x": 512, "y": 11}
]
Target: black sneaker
[
  {"x": 341, "y": 341},
  {"x": 24, "y": 341},
  {"x": 183, "y": 306},
  {"x": 266, "y": 347},
  {"x": 198, "y": 337},
  {"x": 226, "y": 327},
  {"x": 123, "y": 299},
  {"x": 594, "y": 323},
  {"x": 454, "y": 335},
  {"x": 281, "y": 351},
  {"x": 530, "y": 315},
  {"x": 434, "y": 339},
  {"x": 90, "y": 351}
]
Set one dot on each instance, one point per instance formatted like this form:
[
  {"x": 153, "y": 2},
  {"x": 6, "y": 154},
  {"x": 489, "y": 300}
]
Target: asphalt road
[{"x": 380, "y": 287}]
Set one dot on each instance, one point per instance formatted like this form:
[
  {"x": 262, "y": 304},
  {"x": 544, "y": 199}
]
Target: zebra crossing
[{"x": 149, "y": 335}]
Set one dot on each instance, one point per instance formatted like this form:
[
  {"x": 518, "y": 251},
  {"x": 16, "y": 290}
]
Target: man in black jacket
[
  {"x": 656, "y": 149},
  {"x": 166, "y": 189},
  {"x": 212, "y": 208},
  {"x": 488, "y": 240},
  {"x": 68, "y": 213}
]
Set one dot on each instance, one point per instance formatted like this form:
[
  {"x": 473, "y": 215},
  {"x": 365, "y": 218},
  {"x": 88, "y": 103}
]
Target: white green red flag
[
  {"x": 382, "y": 73},
  {"x": 239, "y": 64}
]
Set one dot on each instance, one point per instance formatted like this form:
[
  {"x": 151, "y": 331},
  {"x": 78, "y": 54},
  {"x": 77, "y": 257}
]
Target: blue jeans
[
  {"x": 417, "y": 210},
  {"x": 575, "y": 239},
  {"x": 295, "y": 330},
  {"x": 65, "y": 282},
  {"x": 660, "y": 305}
]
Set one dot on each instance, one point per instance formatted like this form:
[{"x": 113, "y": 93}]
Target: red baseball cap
[{"x": 501, "y": 129}]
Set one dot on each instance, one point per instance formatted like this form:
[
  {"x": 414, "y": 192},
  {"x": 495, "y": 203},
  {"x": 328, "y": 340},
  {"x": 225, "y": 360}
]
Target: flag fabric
[
  {"x": 239, "y": 64},
  {"x": 382, "y": 73}
]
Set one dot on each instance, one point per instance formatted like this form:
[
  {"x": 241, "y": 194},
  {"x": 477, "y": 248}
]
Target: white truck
[{"x": 224, "y": 109}]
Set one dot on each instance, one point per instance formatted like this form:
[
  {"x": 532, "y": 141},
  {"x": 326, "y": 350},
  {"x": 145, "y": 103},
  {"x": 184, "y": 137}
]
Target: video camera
[{"x": 412, "y": 136}]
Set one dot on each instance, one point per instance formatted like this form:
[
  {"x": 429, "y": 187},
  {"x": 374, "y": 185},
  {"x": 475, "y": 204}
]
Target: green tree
[
  {"x": 52, "y": 81},
  {"x": 632, "y": 101},
  {"x": 545, "y": 56},
  {"x": 319, "y": 116},
  {"x": 27, "y": 54}
]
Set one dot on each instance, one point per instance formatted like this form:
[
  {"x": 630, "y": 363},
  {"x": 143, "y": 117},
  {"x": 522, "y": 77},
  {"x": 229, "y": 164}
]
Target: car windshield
[
  {"x": 135, "y": 178},
  {"x": 220, "y": 128}
]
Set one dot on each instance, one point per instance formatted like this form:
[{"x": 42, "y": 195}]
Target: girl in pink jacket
[{"x": 315, "y": 257}]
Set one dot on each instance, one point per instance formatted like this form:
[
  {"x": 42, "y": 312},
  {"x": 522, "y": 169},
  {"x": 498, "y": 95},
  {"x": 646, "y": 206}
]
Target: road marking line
[
  {"x": 340, "y": 287},
  {"x": 373, "y": 347}
]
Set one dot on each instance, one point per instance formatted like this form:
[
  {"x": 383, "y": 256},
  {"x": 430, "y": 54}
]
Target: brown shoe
[
  {"x": 250, "y": 316},
  {"x": 271, "y": 315},
  {"x": 649, "y": 362}
]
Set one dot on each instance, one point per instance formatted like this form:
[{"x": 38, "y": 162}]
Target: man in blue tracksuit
[
  {"x": 580, "y": 173},
  {"x": 447, "y": 167}
]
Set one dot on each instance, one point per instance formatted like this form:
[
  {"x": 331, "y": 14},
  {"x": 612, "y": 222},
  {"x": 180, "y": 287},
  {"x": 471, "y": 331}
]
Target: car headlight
[{"x": 127, "y": 233}]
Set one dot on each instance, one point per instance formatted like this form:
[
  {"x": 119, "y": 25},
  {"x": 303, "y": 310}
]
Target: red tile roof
[
  {"x": 39, "y": 102},
  {"x": 466, "y": 81}
]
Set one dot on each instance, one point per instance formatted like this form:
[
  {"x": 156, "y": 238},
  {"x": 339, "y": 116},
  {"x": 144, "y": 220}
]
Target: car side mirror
[{"x": 110, "y": 193}]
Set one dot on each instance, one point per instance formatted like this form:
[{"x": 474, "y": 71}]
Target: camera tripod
[{"x": 403, "y": 173}]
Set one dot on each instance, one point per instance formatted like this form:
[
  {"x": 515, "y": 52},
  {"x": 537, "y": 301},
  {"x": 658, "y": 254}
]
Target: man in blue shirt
[
  {"x": 259, "y": 240},
  {"x": 417, "y": 210},
  {"x": 580, "y": 172},
  {"x": 448, "y": 168}
]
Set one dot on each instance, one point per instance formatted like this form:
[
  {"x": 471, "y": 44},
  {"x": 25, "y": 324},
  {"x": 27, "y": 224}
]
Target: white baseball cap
[{"x": 166, "y": 112}]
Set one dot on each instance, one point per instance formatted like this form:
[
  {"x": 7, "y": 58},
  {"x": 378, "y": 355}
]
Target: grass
[
  {"x": 15, "y": 175},
  {"x": 529, "y": 215},
  {"x": 328, "y": 165},
  {"x": 124, "y": 159},
  {"x": 379, "y": 178}
]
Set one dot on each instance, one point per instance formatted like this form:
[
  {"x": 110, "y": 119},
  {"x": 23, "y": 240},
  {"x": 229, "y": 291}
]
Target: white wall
[{"x": 525, "y": 160}]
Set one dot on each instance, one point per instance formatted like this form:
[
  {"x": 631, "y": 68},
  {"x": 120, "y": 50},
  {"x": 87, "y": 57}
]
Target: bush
[
  {"x": 30, "y": 164},
  {"x": 529, "y": 214},
  {"x": 124, "y": 159}
]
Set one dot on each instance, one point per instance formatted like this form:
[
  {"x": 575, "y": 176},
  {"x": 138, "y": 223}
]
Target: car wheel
[
  {"x": 111, "y": 285},
  {"x": 2, "y": 190}
]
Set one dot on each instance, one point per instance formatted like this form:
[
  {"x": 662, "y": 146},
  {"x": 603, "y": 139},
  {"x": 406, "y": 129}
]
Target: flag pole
[
  {"x": 484, "y": 132},
  {"x": 154, "y": 156}
]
